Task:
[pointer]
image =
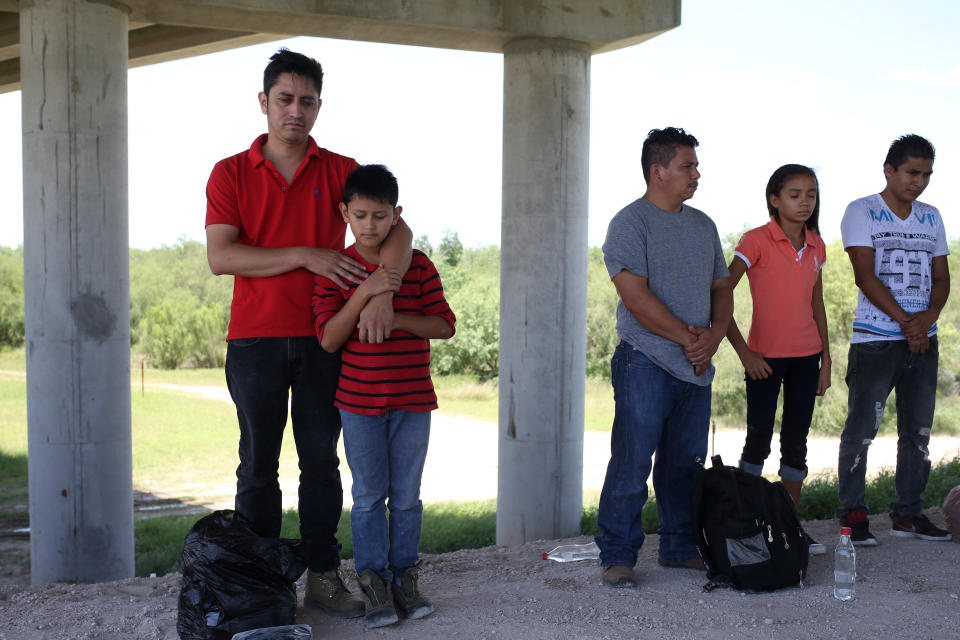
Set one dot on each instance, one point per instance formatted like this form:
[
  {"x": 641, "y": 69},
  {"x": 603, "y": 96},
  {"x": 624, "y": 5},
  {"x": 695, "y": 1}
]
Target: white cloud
[{"x": 905, "y": 74}]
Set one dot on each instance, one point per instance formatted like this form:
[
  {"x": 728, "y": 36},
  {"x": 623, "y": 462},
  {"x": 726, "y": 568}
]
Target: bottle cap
[{"x": 845, "y": 531}]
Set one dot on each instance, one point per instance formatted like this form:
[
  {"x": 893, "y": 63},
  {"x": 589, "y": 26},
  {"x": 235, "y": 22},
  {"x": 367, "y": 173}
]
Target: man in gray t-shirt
[{"x": 667, "y": 264}]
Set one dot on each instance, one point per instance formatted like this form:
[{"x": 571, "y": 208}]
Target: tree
[
  {"x": 451, "y": 249},
  {"x": 11, "y": 297},
  {"x": 422, "y": 242}
]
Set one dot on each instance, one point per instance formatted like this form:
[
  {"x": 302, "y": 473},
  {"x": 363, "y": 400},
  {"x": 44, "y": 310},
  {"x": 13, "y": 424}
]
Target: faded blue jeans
[
  {"x": 386, "y": 453},
  {"x": 874, "y": 369},
  {"x": 655, "y": 413}
]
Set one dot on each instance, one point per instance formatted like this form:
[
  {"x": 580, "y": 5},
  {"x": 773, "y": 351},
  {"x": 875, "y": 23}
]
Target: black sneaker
[
  {"x": 918, "y": 526},
  {"x": 860, "y": 527}
]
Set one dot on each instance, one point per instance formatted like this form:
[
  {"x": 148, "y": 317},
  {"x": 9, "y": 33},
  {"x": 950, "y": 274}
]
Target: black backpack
[{"x": 747, "y": 531}]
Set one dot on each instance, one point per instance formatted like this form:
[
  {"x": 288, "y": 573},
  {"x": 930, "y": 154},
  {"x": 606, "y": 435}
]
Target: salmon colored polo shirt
[
  {"x": 247, "y": 192},
  {"x": 781, "y": 284}
]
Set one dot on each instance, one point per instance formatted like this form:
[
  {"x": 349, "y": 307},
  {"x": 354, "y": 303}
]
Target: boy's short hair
[
  {"x": 909, "y": 146},
  {"x": 373, "y": 181},
  {"x": 286, "y": 61},
  {"x": 660, "y": 147}
]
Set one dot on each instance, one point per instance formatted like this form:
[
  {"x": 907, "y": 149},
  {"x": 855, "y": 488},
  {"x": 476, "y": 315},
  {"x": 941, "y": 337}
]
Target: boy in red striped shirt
[{"x": 385, "y": 396}]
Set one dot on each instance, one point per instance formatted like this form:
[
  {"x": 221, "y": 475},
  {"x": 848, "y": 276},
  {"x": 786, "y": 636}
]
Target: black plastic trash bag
[{"x": 234, "y": 580}]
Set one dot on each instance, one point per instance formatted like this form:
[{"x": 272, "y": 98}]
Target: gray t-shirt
[{"x": 680, "y": 255}]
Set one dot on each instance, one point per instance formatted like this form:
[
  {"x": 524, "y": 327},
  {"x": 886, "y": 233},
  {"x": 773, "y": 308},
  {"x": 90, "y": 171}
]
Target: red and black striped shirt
[{"x": 396, "y": 373}]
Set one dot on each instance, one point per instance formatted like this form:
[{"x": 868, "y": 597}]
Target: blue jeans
[
  {"x": 263, "y": 374},
  {"x": 798, "y": 377},
  {"x": 655, "y": 413},
  {"x": 873, "y": 370},
  {"x": 386, "y": 453}
]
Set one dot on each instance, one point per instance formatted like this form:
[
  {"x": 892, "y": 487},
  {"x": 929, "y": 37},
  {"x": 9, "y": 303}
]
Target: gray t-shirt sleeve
[
  {"x": 625, "y": 247},
  {"x": 720, "y": 269}
]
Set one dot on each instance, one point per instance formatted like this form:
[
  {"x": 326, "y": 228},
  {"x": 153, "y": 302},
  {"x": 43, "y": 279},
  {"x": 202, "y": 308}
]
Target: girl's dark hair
[{"x": 775, "y": 186}]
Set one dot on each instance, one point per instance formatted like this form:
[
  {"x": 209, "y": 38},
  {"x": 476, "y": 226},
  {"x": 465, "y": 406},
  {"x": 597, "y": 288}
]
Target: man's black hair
[
  {"x": 908, "y": 146},
  {"x": 779, "y": 179},
  {"x": 660, "y": 147},
  {"x": 286, "y": 61},
  {"x": 373, "y": 181}
]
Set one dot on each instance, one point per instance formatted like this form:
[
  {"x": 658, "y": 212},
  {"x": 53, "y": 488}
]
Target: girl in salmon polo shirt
[{"x": 787, "y": 345}]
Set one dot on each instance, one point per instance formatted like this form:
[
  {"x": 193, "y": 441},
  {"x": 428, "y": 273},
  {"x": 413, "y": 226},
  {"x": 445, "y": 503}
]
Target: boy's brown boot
[
  {"x": 619, "y": 575},
  {"x": 326, "y": 591},
  {"x": 380, "y": 611},
  {"x": 410, "y": 601}
]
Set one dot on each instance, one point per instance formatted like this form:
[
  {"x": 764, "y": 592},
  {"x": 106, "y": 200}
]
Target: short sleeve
[
  {"x": 625, "y": 247},
  {"x": 748, "y": 249},
  {"x": 222, "y": 205},
  {"x": 941, "y": 249},
  {"x": 719, "y": 262},
  {"x": 855, "y": 226}
]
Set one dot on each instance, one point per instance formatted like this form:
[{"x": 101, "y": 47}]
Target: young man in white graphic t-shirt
[{"x": 898, "y": 249}]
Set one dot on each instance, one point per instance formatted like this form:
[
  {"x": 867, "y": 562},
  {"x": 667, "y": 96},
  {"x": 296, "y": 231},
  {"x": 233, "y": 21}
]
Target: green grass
[
  {"x": 13, "y": 359},
  {"x": 820, "y": 501},
  {"x": 448, "y": 526},
  {"x": 190, "y": 377},
  {"x": 463, "y": 396}
]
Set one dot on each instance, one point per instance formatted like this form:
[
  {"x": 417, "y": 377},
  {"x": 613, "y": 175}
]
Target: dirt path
[{"x": 905, "y": 588}]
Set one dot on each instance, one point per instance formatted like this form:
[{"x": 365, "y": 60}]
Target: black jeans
[
  {"x": 798, "y": 377},
  {"x": 874, "y": 369},
  {"x": 262, "y": 375}
]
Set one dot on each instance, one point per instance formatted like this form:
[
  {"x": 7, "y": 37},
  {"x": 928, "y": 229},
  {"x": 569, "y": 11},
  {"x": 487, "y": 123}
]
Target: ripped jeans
[{"x": 873, "y": 370}]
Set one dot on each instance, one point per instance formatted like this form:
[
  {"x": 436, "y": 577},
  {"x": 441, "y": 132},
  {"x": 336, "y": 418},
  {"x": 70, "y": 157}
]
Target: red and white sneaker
[{"x": 919, "y": 526}]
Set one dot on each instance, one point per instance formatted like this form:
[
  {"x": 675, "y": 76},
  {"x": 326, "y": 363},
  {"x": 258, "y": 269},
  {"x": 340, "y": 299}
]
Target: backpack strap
[{"x": 696, "y": 520}]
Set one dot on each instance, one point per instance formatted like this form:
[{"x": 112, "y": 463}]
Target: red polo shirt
[
  {"x": 247, "y": 192},
  {"x": 781, "y": 284}
]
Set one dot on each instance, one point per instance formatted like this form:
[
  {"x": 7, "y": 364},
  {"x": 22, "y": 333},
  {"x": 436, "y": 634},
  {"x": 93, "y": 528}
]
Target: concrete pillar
[
  {"x": 73, "y": 69},
  {"x": 543, "y": 286}
]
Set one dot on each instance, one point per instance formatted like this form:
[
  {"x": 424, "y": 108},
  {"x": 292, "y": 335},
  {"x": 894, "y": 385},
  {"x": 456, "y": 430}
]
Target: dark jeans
[
  {"x": 798, "y": 377},
  {"x": 655, "y": 413},
  {"x": 873, "y": 370},
  {"x": 262, "y": 375}
]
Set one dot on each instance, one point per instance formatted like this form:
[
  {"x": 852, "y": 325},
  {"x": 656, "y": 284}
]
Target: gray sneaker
[
  {"x": 326, "y": 591},
  {"x": 410, "y": 601},
  {"x": 380, "y": 611}
]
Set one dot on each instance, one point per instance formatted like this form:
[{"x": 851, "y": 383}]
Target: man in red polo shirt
[{"x": 273, "y": 221}]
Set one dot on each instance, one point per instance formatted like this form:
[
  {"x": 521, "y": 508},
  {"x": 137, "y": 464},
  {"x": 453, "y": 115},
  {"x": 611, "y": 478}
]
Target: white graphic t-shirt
[{"x": 903, "y": 254}]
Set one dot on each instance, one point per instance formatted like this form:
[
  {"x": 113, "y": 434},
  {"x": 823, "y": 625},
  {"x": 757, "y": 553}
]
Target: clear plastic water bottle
[
  {"x": 573, "y": 552},
  {"x": 845, "y": 568}
]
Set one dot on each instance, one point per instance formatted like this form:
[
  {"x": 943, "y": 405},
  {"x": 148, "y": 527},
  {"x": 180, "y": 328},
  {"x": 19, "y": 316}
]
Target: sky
[{"x": 760, "y": 83}]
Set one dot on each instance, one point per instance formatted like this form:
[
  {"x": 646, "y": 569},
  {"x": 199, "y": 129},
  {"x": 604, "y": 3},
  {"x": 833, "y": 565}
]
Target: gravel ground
[{"x": 905, "y": 588}]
